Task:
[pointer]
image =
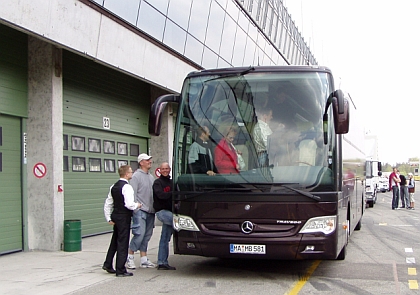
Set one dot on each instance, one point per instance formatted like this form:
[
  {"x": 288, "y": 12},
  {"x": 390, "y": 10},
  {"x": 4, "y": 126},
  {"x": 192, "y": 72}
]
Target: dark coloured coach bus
[{"x": 292, "y": 197}]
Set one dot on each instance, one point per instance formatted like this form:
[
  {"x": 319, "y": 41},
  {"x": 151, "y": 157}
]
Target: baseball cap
[
  {"x": 142, "y": 157},
  {"x": 410, "y": 173}
]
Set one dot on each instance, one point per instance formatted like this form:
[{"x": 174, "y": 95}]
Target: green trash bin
[{"x": 72, "y": 235}]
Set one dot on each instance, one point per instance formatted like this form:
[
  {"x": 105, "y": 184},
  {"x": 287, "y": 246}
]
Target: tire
[
  {"x": 370, "y": 203},
  {"x": 342, "y": 254},
  {"x": 358, "y": 225}
]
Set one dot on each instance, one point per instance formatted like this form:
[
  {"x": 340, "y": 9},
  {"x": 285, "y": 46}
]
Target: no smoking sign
[{"x": 40, "y": 170}]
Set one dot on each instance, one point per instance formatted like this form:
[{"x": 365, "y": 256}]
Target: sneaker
[
  {"x": 148, "y": 264},
  {"x": 412, "y": 208},
  {"x": 130, "y": 264}
]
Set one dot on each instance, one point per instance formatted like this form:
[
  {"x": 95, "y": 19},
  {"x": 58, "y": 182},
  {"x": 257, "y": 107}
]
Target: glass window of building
[
  {"x": 233, "y": 10},
  {"x": 179, "y": 12},
  {"x": 228, "y": 39},
  {"x": 128, "y": 11},
  {"x": 209, "y": 59},
  {"x": 174, "y": 36},
  {"x": 151, "y": 21},
  {"x": 249, "y": 52},
  {"x": 223, "y": 3},
  {"x": 194, "y": 49},
  {"x": 198, "y": 19},
  {"x": 243, "y": 22},
  {"x": 215, "y": 25},
  {"x": 221, "y": 63},
  {"x": 239, "y": 48},
  {"x": 253, "y": 32},
  {"x": 161, "y": 5}
]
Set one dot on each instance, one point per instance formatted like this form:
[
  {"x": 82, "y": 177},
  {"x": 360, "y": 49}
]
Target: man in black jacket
[
  {"x": 120, "y": 201},
  {"x": 162, "y": 203}
]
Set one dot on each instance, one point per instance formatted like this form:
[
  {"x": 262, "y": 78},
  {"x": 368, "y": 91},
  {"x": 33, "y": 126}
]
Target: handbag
[
  {"x": 241, "y": 162},
  {"x": 411, "y": 189}
]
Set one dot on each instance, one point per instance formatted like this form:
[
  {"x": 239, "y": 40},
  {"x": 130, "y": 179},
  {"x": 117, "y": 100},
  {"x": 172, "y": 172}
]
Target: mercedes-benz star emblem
[{"x": 247, "y": 227}]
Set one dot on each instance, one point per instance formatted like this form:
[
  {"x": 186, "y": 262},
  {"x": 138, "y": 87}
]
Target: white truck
[{"x": 372, "y": 179}]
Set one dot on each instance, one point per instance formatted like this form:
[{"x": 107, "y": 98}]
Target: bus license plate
[{"x": 247, "y": 249}]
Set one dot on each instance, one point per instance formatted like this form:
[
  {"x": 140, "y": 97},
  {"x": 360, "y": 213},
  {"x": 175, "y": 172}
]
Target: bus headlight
[
  {"x": 182, "y": 222},
  {"x": 323, "y": 224}
]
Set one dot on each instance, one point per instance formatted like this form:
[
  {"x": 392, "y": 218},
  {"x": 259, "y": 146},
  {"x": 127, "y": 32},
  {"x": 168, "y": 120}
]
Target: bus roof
[{"x": 259, "y": 69}]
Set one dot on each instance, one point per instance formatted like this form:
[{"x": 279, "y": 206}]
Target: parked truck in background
[{"x": 372, "y": 181}]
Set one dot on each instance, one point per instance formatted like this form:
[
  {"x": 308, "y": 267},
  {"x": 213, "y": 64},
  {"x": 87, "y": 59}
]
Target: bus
[
  {"x": 415, "y": 167},
  {"x": 300, "y": 202}
]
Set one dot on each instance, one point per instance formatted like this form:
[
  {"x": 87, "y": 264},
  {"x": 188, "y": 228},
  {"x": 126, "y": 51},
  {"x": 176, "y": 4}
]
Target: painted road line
[
  {"x": 412, "y": 271},
  {"x": 408, "y": 250},
  {"x": 410, "y": 260},
  {"x": 413, "y": 285},
  {"x": 302, "y": 281}
]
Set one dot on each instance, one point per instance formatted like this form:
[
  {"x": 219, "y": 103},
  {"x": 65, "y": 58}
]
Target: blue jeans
[
  {"x": 405, "y": 198},
  {"x": 263, "y": 159},
  {"x": 395, "y": 196},
  {"x": 142, "y": 229},
  {"x": 165, "y": 217}
]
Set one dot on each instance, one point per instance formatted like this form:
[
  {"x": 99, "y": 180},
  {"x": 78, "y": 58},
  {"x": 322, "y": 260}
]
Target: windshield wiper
[
  {"x": 243, "y": 73},
  {"x": 303, "y": 193}
]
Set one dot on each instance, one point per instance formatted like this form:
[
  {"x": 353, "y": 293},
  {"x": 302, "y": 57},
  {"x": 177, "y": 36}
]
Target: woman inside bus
[{"x": 225, "y": 154}]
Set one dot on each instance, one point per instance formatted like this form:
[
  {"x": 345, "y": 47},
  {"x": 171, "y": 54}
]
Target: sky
[{"x": 373, "y": 50}]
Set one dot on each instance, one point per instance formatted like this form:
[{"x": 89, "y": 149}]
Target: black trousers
[{"x": 119, "y": 242}]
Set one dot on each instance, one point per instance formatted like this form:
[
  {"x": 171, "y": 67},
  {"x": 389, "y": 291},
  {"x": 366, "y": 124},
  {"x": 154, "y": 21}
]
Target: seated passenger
[
  {"x": 225, "y": 156},
  {"x": 200, "y": 159}
]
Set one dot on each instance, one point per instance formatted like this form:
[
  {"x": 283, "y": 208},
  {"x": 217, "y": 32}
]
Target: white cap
[
  {"x": 410, "y": 173},
  {"x": 142, "y": 157}
]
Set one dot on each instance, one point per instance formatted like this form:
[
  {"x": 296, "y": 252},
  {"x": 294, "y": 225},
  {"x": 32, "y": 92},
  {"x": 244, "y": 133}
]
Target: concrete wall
[
  {"x": 64, "y": 22},
  {"x": 45, "y": 146}
]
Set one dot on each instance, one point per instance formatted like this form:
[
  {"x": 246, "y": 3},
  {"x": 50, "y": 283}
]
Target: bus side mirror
[
  {"x": 380, "y": 167},
  {"x": 341, "y": 113},
  {"x": 156, "y": 112}
]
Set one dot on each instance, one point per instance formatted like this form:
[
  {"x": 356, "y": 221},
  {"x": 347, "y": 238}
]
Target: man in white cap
[{"x": 143, "y": 218}]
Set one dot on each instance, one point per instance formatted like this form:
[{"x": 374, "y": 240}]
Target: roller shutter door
[{"x": 10, "y": 193}]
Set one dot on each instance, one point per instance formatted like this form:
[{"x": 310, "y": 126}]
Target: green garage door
[
  {"x": 10, "y": 179},
  {"x": 91, "y": 161},
  {"x": 105, "y": 116}
]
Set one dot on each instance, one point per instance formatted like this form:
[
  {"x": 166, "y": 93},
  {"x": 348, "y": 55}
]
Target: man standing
[
  {"x": 261, "y": 133},
  {"x": 394, "y": 183},
  {"x": 162, "y": 196},
  {"x": 144, "y": 218},
  {"x": 120, "y": 201}
]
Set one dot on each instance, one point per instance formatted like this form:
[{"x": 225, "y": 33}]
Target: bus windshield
[{"x": 255, "y": 131}]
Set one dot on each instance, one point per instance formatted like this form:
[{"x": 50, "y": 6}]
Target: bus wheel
[
  {"x": 358, "y": 225},
  {"x": 342, "y": 254}
]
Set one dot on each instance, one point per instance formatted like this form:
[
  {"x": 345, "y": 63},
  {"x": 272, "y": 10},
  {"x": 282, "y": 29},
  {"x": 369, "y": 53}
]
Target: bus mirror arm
[
  {"x": 325, "y": 128},
  {"x": 156, "y": 112}
]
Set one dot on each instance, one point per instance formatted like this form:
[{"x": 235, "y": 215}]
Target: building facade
[{"x": 77, "y": 78}]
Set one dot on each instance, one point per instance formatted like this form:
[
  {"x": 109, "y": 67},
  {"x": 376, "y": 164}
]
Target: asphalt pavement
[{"x": 56, "y": 273}]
